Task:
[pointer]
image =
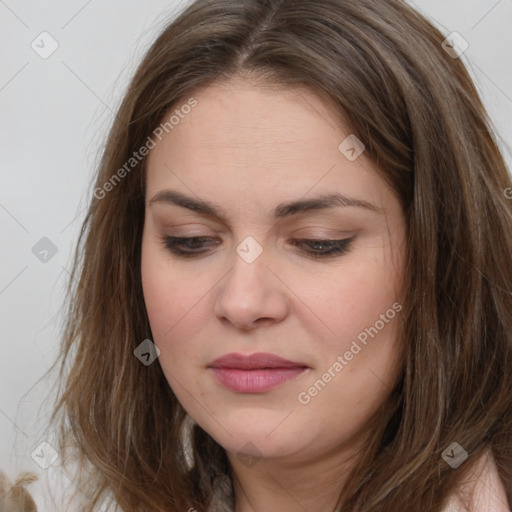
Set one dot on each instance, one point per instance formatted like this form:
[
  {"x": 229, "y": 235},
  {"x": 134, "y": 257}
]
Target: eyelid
[
  {"x": 189, "y": 229},
  {"x": 332, "y": 235},
  {"x": 337, "y": 247},
  {"x": 323, "y": 232}
]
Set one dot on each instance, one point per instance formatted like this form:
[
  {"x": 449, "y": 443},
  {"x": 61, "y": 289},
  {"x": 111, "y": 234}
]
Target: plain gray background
[{"x": 54, "y": 115}]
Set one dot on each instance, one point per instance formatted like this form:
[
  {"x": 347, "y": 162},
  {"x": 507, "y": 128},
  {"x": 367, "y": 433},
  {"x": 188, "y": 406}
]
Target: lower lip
[{"x": 255, "y": 381}]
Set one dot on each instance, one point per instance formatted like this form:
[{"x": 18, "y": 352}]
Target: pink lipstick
[{"x": 254, "y": 373}]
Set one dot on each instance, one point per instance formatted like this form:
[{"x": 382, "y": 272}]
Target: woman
[{"x": 293, "y": 280}]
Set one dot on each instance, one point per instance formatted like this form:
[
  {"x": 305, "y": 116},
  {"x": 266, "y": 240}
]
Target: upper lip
[{"x": 259, "y": 360}]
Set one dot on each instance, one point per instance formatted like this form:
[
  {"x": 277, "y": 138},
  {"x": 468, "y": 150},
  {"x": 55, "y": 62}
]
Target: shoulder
[{"x": 484, "y": 487}]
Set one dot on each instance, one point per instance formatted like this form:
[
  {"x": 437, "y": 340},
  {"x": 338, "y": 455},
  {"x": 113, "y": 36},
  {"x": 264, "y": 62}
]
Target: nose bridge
[
  {"x": 249, "y": 290},
  {"x": 247, "y": 276}
]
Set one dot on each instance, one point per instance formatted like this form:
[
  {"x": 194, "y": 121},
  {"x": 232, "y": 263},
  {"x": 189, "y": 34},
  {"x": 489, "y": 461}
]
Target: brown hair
[
  {"x": 417, "y": 111},
  {"x": 14, "y": 497}
]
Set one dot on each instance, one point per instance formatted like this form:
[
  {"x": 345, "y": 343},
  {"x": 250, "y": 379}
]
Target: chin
[{"x": 246, "y": 439}]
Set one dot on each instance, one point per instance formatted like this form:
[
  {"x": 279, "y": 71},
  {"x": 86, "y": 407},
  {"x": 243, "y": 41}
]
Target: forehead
[
  {"x": 242, "y": 114},
  {"x": 254, "y": 145}
]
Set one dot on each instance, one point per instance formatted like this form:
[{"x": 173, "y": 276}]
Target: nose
[{"x": 251, "y": 294}]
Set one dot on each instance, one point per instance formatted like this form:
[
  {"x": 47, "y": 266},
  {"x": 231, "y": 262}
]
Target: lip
[
  {"x": 257, "y": 361},
  {"x": 254, "y": 373}
]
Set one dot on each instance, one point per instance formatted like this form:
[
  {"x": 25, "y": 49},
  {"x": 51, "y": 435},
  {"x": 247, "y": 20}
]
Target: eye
[
  {"x": 315, "y": 248},
  {"x": 174, "y": 244},
  {"x": 321, "y": 248}
]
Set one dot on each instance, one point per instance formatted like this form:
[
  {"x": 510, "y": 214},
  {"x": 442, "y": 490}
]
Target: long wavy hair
[{"x": 416, "y": 109}]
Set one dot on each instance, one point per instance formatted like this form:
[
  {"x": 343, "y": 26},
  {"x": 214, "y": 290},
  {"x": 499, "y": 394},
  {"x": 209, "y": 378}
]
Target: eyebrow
[{"x": 281, "y": 211}]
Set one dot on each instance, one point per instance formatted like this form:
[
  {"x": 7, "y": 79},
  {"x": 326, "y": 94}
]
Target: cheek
[
  {"x": 359, "y": 364},
  {"x": 160, "y": 293},
  {"x": 157, "y": 294},
  {"x": 357, "y": 300},
  {"x": 175, "y": 306},
  {"x": 362, "y": 309}
]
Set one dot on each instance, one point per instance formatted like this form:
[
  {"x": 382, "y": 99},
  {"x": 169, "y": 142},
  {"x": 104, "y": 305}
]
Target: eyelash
[{"x": 338, "y": 247}]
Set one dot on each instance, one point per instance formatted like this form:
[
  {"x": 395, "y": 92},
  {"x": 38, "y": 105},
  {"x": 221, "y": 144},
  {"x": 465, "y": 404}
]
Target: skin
[{"x": 247, "y": 148}]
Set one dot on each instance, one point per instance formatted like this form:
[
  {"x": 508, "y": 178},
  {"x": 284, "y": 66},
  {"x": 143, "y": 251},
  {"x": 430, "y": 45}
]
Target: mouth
[{"x": 254, "y": 373}]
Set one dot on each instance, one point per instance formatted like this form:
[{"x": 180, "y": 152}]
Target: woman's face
[{"x": 241, "y": 157}]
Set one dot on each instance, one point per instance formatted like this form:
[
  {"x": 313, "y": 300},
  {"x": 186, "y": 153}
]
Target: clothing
[
  {"x": 488, "y": 488},
  {"x": 484, "y": 481}
]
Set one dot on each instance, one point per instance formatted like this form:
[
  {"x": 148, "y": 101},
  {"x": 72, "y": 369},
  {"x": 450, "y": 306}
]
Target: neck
[{"x": 295, "y": 483}]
